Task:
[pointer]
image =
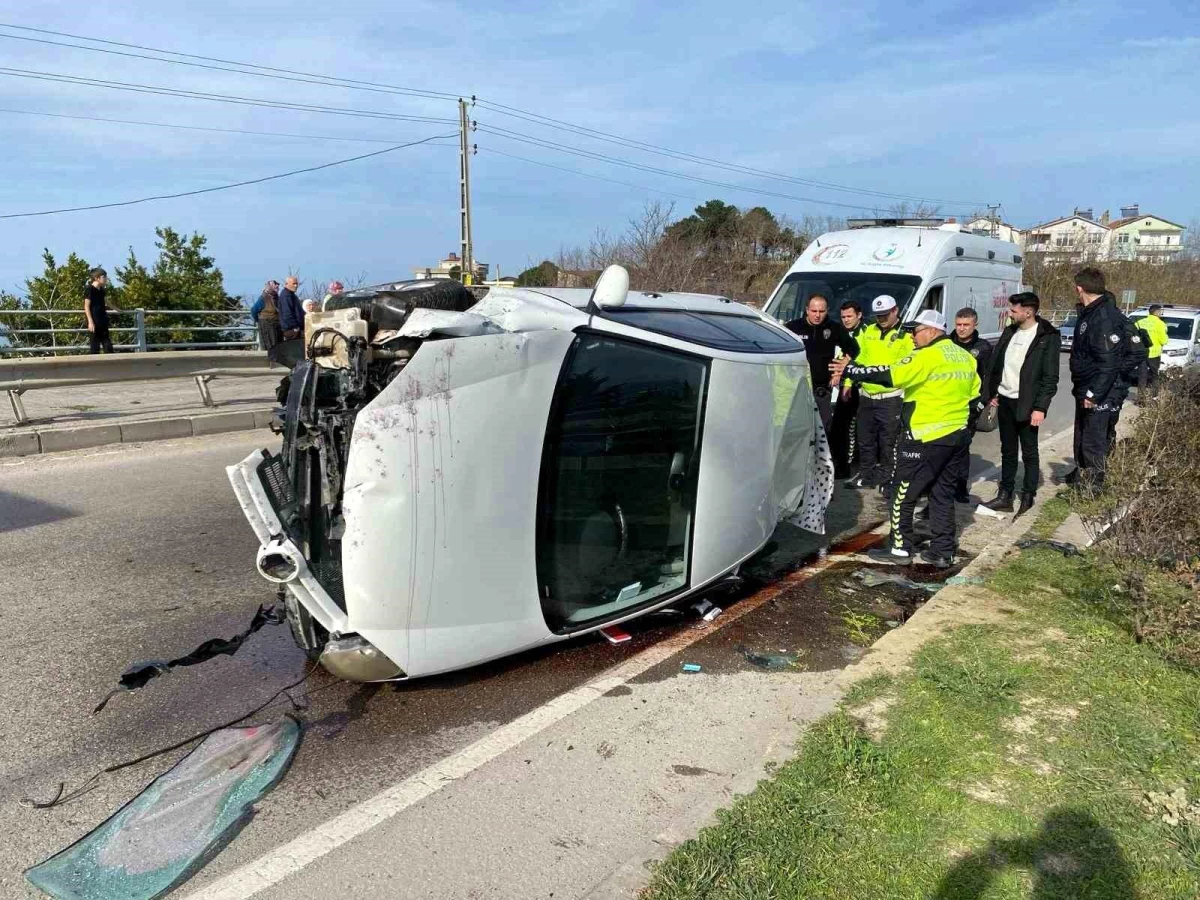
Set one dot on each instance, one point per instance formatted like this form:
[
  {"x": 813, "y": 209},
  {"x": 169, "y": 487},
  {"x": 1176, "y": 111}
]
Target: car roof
[{"x": 679, "y": 300}]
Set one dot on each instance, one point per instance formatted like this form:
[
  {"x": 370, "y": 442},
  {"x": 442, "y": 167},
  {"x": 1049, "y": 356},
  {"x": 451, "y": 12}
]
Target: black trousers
[
  {"x": 934, "y": 467},
  {"x": 843, "y": 438},
  {"x": 1148, "y": 375},
  {"x": 1016, "y": 433},
  {"x": 878, "y": 429},
  {"x": 1093, "y": 438},
  {"x": 100, "y": 338},
  {"x": 962, "y": 482},
  {"x": 824, "y": 407}
]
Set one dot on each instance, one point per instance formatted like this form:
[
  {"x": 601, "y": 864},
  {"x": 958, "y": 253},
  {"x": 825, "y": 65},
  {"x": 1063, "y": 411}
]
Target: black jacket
[
  {"x": 1039, "y": 371},
  {"x": 820, "y": 342},
  {"x": 981, "y": 350},
  {"x": 1097, "y": 350}
]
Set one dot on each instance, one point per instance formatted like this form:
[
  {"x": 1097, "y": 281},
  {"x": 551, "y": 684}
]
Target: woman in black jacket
[{"x": 1022, "y": 382}]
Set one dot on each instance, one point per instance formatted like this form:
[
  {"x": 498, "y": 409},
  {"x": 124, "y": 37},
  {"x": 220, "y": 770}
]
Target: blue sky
[{"x": 1039, "y": 107}]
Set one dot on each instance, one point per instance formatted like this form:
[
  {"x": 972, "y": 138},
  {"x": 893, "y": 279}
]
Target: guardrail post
[
  {"x": 202, "y": 383},
  {"x": 18, "y": 406},
  {"x": 139, "y": 318}
]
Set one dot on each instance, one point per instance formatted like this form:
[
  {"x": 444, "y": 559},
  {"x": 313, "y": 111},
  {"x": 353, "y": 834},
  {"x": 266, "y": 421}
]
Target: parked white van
[{"x": 934, "y": 267}]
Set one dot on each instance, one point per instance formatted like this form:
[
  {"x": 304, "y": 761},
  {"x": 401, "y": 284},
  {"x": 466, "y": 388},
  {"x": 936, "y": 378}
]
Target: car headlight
[{"x": 1177, "y": 352}]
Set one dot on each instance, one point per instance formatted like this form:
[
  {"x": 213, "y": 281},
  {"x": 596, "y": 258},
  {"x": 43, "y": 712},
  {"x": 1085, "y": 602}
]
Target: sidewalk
[{"x": 72, "y": 418}]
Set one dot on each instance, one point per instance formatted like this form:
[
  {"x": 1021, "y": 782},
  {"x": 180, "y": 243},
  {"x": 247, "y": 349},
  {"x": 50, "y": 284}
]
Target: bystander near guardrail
[{"x": 146, "y": 330}]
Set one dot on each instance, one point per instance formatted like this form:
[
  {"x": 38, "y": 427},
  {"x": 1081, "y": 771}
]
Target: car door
[{"x": 618, "y": 480}]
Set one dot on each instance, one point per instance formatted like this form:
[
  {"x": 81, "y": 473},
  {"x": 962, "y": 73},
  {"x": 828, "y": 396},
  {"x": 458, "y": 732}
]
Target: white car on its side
[{"x": 463, "y": 480}]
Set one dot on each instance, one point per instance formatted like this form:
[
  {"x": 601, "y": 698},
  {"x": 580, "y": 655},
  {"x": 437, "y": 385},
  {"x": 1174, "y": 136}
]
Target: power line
[
  {"x": 538, "y": 162},
  {"x": 218, "y": 98},
  {"x": 263, "y": 71},
  {"x": 583, "y": 131},
  {"x": 273, "y": 134},
  {"x": 500, "y": 108},
  {"x": 225, "y": 187},
  {"x": 612, "y": 160}
]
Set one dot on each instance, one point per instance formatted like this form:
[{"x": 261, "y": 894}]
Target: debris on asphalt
[
  {"x": 871, "y": 578},
  {"x": 140, "y": 674},
  {"x": 765, "y": 660},
  {"x": 705, "y": 610},
  {"x": 1062, "y": 547},
  {"x": 164, "y": 835},
  {"x": 981, "y": 510},
  {"x": 691, "y": 667},
  {"x": 615, "y": 634}
]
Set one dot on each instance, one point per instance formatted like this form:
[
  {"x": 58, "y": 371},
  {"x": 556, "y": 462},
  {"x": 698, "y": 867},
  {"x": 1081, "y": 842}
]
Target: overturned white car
[{"x": 463, "y": 482}]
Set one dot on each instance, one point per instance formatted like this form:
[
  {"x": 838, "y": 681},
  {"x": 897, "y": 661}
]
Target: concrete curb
[{"x": 57, "y": 440}]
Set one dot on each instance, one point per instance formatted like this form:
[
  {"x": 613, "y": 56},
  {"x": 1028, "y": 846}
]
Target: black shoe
[
  {"x": 937, "y": 560},
  {"x": 1026, "y": 505},
  {"x": 885, "y": 489},
  {"x": 858, "y": 483},
  {"x": 963, "y": 496},
  {"x": 1002, "y": 503},
  {"x": 1072, "y": 477},
  {"x": 888, "y": 557}
]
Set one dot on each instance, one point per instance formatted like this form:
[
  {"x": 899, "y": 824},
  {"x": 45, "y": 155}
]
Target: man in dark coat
[
  {"x": 1022, "y": 382},
  {"x": 1096, "y": 354},
  {"x": 822, "y": 337},
  {"x": 291, "y": 311},
  {"x": 966, "y": 335},
  {"x": 843, "y": 441}
]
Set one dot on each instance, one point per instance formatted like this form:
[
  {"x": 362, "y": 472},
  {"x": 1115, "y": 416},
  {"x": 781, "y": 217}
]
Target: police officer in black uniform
[
  {"x": 822, "y": 336},
  {"x": 966, "y": 335},
  {"x": 845, "y": 413},
  {"x": 1096, "y": 356}
]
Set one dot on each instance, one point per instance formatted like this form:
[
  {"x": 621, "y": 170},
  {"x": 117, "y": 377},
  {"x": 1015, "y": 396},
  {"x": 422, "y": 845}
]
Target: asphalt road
[{"x": 140, "y": 552}]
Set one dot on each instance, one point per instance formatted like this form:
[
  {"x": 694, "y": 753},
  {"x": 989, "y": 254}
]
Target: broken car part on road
[
  {"x": 169, "y": 831},
  {"x": 463, "y": 480}
]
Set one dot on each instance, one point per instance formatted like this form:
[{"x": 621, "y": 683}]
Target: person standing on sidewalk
[
  {"x": 940, "y": 384},
  {"x": 291, "y": 311},
  {"x": 966, "y": 335},
  {"x": 265, "y": 313},
  {"x": 96, "y": 311},
  {"x": 1155, "y": 330},
  {"x": 1021, "y": 384},
  {"x": 1096, "y": 355},
  {"x": 843, "y": 441},
  {"x": 822, "y": 337},
  {"x": 879, "y": 406}
]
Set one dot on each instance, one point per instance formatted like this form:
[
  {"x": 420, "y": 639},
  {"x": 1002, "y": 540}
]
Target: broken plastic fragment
[
  {"x": 167, "y": 833},
  {"x": 691, "y": 667},
  {"x": 614, "y": 634},
  {"x": 140, "y": 674},
  {"x": 770, "y": 660},
  {"x": 1062, "y": 547},
  {"x": 872, "y": 578}
]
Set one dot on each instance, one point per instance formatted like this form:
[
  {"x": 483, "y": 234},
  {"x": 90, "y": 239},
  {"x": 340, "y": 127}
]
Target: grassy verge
[{"x": 1013, "y": 761}]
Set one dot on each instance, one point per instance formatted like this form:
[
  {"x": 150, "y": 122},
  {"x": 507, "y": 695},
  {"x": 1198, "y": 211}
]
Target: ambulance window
[{"x": 934, "y": 298}]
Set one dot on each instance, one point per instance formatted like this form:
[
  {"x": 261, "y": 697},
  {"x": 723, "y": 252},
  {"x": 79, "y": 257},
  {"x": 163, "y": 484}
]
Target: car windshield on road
[
  {"x": 1177, "y": 329},
  {"x": 838, "y": 287}
]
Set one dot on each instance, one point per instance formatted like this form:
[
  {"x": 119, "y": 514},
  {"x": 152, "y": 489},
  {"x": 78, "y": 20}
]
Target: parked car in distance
[
  {"x": 1183, "y": 334},
  {"x": 464, "y": 479},
  {"x": 1066, "y": 332}
]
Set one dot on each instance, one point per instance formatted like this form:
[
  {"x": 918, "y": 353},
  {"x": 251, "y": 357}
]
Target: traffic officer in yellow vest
[
  {"x": 879, "y": 407},
  {"x": 1155, "y": 330},
  {"x": 940, "y": 383}
]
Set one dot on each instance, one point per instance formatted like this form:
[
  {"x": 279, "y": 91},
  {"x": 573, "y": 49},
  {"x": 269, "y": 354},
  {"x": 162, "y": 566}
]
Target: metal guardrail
[
  {"x": 145, "y": 335},
  {"x": 20, "y": 375}
]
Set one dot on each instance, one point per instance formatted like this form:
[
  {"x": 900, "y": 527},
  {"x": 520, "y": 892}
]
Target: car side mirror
[{"x": 612, "y": 288}]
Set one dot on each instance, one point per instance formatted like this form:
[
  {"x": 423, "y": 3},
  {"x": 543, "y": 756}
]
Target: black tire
[{"x": 388, "y": 306}]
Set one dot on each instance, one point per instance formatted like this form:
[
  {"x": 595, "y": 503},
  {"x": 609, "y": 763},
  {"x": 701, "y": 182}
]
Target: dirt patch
[
  {"x": 996, "y": 792},
  {"x": 872, "y": 715}
]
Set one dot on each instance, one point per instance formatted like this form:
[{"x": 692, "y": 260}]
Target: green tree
[
  {"x": 58, "y": 287},
  {"x": 544, "y": 274}
]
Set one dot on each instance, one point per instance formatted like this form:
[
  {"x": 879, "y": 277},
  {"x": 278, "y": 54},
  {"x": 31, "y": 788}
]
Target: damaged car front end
[{"x": 460, "y": 480}]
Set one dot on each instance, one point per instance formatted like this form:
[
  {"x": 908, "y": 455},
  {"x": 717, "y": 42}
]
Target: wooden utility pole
[{"x": 464, "y": 162}]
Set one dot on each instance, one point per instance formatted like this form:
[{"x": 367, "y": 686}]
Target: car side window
[
  {"x": 935, "y": 298},
  {"x": 618, "y": 482}
]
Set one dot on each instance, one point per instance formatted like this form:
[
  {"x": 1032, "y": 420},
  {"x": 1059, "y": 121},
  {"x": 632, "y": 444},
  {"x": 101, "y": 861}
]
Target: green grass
[{"x": 1014, "y": 764}]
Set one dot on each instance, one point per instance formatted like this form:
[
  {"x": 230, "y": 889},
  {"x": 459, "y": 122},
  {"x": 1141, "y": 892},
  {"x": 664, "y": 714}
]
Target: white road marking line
[{"x": 276, "y": 865}]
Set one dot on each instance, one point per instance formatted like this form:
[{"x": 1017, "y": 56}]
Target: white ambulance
[{"x": 925, "y": 266}]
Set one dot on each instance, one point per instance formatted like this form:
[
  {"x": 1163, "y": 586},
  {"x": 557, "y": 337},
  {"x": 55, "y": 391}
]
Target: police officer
[
  {"x": 879, "y": 406},
  {"x": 822, "y": 337},
  {"x": 941, "y": 384},
  {"x": 844, "y": 441},
  {"x": 1155, "y": 338},
  {"x": 1096, "y": 356}
]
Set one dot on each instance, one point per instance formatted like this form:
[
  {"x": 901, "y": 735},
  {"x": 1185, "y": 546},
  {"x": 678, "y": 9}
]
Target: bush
[{"x": 1148, "y": 519}]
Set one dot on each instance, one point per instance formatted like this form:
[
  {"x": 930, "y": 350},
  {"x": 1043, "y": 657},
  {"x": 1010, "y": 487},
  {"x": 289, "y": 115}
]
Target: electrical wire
[
  {"x": 499, "y": 108},
  {"x": 272, "y": 134},
  {"x": 538, "y": 162},
  {"x": 60, "y": 78},
  {"x": 263, "y": 71},
  {"x": 225, "y": 187},
  {"x": 612, "y": 160}
]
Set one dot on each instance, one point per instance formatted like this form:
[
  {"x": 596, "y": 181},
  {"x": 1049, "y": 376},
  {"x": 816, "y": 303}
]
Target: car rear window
[{"x": 739, "y": 334}]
